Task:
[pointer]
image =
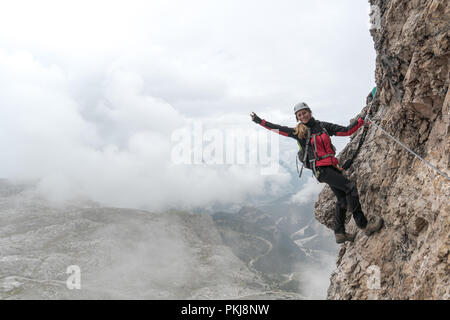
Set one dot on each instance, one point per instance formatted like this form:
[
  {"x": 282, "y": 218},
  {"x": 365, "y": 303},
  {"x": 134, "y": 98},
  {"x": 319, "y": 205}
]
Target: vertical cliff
[{"x": 411, "y": 253}]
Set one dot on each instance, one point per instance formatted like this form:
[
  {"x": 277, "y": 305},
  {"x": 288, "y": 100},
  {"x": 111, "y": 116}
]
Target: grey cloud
[{"x": 92, "y": 111}]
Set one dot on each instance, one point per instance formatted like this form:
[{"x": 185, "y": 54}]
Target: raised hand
[{"x": 255, "y": 118}]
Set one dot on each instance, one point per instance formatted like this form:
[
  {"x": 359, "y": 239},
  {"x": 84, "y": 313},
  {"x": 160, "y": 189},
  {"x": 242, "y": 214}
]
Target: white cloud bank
[
  {"x": 123, "y": 159},
  {"x": 92, "y": 92}
]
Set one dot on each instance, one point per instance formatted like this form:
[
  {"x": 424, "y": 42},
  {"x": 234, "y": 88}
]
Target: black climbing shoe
[
  {"x": 373, "y": 226},
  {"x": 342, "y": 237}
]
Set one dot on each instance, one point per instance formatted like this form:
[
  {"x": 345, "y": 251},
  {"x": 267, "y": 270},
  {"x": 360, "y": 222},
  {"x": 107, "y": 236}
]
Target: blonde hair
[{"x": 301, "y": 131}]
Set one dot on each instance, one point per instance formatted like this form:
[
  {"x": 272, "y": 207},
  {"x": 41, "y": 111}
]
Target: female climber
[{"x": 318, "y": 154}]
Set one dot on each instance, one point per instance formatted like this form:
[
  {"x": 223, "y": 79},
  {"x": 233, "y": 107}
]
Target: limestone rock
[{"x": 409, "y": 257}]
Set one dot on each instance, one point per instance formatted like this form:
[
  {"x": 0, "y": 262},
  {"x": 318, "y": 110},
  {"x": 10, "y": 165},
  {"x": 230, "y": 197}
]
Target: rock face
[{"x": 409, "y": 257}]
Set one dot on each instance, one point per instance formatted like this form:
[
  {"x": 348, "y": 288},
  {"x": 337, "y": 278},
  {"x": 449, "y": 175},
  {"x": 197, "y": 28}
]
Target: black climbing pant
[{"x": 346, "y": 193}]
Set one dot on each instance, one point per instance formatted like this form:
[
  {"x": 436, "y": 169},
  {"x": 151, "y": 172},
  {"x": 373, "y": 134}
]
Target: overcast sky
[{"x": 91, "y": 92}]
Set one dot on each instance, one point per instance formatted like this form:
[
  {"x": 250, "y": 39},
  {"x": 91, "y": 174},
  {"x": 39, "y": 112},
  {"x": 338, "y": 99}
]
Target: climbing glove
[{"x": 255, "y": 118}]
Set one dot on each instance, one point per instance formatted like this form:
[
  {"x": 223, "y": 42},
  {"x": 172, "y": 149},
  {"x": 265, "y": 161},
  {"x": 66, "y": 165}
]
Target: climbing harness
[
  {"x": 303, "y": 154},
  {"x": 409, "y": 150},
  {"x": 349, "y": 162}
]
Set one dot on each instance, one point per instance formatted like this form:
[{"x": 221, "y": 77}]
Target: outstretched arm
[
  {"x": 283, "y": 130},
  {"x": 337, "y": 130}
]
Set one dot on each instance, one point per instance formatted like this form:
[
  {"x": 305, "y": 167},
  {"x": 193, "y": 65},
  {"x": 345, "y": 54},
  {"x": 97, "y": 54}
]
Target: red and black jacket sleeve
[
  {"x": 337, "y": 130},
  {"x": 283, "y": 130}
]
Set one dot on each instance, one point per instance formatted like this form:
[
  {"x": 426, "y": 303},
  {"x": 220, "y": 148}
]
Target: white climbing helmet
[{"x": 299, "y": 106}]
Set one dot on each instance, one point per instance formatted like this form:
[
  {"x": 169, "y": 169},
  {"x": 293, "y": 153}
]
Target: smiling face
[{"x": 303, "y": 115}]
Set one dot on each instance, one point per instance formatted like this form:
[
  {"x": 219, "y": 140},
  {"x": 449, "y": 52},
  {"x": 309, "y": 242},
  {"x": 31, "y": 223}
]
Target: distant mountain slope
[
  {"x": 286, "y": 259},
  {"x": 122, "y": 253}
]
